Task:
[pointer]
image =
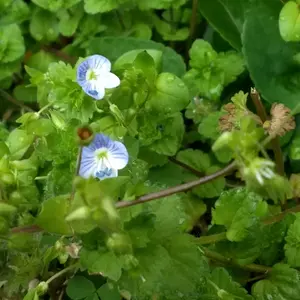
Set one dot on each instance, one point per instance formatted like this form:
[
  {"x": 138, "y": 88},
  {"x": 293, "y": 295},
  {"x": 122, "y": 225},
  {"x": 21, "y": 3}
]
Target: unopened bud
[
  {"x": 58, "y": 119},
  {"x": 80, "y": 213},
  {"x": 42, "y": 288},
  {"x": 85, "y": 135}
]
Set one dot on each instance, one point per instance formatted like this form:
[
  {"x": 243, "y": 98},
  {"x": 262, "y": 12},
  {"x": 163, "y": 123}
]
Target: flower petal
[
  {"x": 88, "y": 164},
  {"x": 101, "y": 141},
  {"x": 117, "y": 155},
  {"x": 110, "y": 80},
  {"x": 94, "y": 89},
  {"x": 99, "y": 63},
  {"x": 106, "y": 173}
]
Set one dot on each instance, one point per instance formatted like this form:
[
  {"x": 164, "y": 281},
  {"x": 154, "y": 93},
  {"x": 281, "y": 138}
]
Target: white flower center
[{"x": 91, "y": 75}]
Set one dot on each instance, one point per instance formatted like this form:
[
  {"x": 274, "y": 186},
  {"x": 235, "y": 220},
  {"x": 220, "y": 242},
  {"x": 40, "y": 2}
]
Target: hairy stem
[
  {"x": 63, "y": 271},
  {"x": 220, "y": 258},
  {"x": 76, "y": 170},
  {"x": 28, "y": 229},
  {"x": 60, "y": 54},
  {"x": 211, "y": 239},
  {"x": 185, "y": 166},
  {"x": 179, "y": 188},
  {"x": 9, "y": 98},
  {"x": 278, "y": 217},
  {"x": 260, "y": 109},
  {"x": 193, "y": 24}
]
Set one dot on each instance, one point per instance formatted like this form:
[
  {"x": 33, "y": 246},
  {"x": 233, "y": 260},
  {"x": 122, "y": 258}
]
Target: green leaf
[
  {"x": 210, "y": 189},
  {"x": 168, "y": 32},
  {"x": 18, "y": 143},
  {"x": 282, "y": 283},
  {"x": 25, "y": 93},
  {"x": 232, "y": 63},
  {"x": 43, "y": 26},
  {"x": 202, "y": 54},
  {"x": 289, "y": 24},
  {"x": 112, "y": 48},
  {"x": 49, "y": 222},
  {"x": 171, "y": 95},
  {"x": 69, "y": 20},
  {"x": 31, "y": 295},
  {"x": 41, "y": 61},
  {"x": 238, "y": 210},
  {"x": 7, "y": 69},
  {"x": 170, "y": 133},
  {"x": 139, "y": 229},
  {"x": 12, "y": 43},
  {"x": 226, "y": 16},
  {"x": 209, "y": 126},
  {"x": 175, "y": 261},
  {"x": 54, "y": 6},
  {"x": 130, "y": 56},
  {"x": 277, "y": 82},
  {"x": 106, "y": 263},
  {"x": 59, "y": 181},
  {"x": 105, "y": 292},
  {"x": 195, "y": 159},
  {"x": 100, "y": 6},
  {"x": 292, "y": 246},
  {"x": 16, "y": 12},
  {"x": 79, "y": 287},
  {"x": 222, "y": 286}
]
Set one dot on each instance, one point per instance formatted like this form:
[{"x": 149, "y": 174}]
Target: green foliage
[
  {"x": 239, "y": 211},
  {"x": 211, "y": 71},
  {"x": 226, "y": 16},
  {"x": 272, "y": 80},
  {"x": 221, "y": 286},
  {"x": 283, "y": 283},
  {"x": 292, "y": 244},
  {"x": 204, "y": 207}
]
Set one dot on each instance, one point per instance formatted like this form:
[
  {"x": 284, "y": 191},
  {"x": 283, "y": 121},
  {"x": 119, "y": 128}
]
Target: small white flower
[
  {"x": 94, "y": 76},
  {"x": 261, "y": 169},
  {"x": 102, "y": 158}
]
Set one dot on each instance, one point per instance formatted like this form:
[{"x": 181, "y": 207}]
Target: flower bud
[
  {"x": 119, "y": 243},
  {"x": 58, "y": 119},
  {"x": 42, "y": 288},
  {"x": 85, "y": 135},
  {"x": 80, "y": 213},
  {"x": 223, "y": 141}
]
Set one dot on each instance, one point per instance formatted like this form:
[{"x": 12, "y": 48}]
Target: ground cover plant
[{"x": 150, "y": 149}]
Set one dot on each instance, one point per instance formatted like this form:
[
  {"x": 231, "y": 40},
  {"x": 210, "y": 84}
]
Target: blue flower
[
  {"x": 102, "y": 158},
  {"x": 94, "y": 76}
]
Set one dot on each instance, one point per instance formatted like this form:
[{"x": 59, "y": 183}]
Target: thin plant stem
[
  {"x": 152, "y": 196},
  {"x": 76, "y": 170},
  {"x": 63, "y": 271},
  {"x": 278, "y": 217},
  {"x": 193, "y": 23},
  {"x": 225, "y": 260},
  {"x": 179, "y": 188},
  {"x": 211, "y": 239},
  {"x": 185, "y": 166},
  {"x": 260, "y": 109},
  {"x": 45, "y": 107}
]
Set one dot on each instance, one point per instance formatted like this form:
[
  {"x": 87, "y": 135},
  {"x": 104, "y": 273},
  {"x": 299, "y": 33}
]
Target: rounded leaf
[{"x": 289, "y": 22}]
